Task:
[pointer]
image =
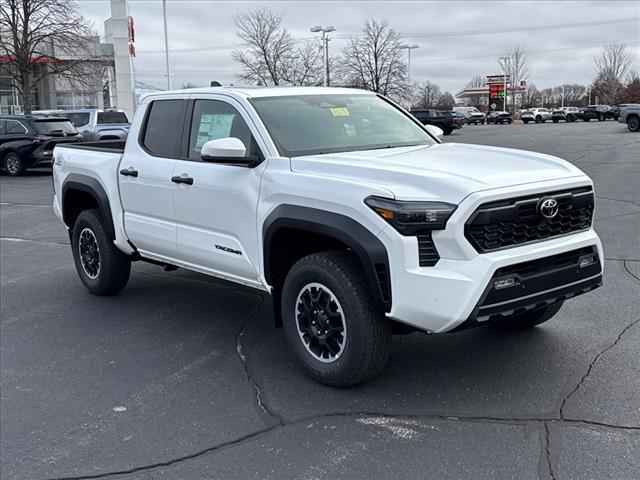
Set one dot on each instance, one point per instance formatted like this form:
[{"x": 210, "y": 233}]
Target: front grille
[
  {"x": 427, "y": 253},
  {"x": 516, "y": 221}
]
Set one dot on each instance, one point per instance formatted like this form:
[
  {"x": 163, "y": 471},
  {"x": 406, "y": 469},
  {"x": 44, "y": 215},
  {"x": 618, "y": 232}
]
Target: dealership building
[{"x": 109, "y": 82}]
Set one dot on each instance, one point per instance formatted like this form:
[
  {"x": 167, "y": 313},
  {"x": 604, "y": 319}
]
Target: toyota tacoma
[{"x": 344, "y": 208}]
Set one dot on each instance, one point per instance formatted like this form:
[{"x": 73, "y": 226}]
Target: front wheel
[
  {"x": 555, "y": 120},
  {"x": 530, "y": 319},
  {"x": 601, "y": 118},
  {"x": 538, "y": 119},
  {"x": 13, "y": 164},
  {"x": 586, "y": 119},
  {"x": 633, "y": 124},
  {"x": 101, "y": 266},
  {"x": 330, "y": 320},
  {"x": 525, "y": 121}
]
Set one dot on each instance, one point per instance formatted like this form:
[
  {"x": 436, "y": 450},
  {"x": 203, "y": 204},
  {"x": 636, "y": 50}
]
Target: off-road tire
[
  {"x": 368, "y": 331},
  {"x": 530, "y": 319},
  {"x": 13, "y": 164},
  {"x": 114, "y": 267}
]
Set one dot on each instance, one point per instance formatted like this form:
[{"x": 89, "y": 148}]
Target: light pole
[
  {"x": 504, "y": 68},
  {"x": 166, "y": 42},
  {"x": 409, "y": 48},
  {"x": 325, "y": 49}
]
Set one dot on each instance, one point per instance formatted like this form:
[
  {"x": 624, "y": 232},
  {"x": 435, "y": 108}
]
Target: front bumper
[{"x": 441, "y": 298}]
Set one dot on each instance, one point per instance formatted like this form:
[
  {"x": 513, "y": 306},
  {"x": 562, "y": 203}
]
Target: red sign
[{"x": 131, "y": 29}]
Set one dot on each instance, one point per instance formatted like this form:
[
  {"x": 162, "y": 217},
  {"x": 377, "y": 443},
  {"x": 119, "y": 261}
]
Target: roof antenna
[{"x": 215, "y": 84}]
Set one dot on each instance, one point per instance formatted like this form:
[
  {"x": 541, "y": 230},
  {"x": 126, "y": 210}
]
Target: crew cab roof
[{"x": 256, "y": 92}]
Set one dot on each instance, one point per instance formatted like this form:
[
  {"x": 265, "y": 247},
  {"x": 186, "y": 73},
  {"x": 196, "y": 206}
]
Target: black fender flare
[
  {"x": 368, "y": 248},
  {"x": 90, "y": 185}
]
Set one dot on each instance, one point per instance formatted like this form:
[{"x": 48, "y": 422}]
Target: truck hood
[{"x": 447, "y": 172}]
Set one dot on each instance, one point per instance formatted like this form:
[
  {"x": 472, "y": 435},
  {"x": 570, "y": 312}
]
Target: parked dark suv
[
  {"x": 28, "y": 141},
  {"x": 440, "y": 118},
  {"x": 600, "y": 112}
]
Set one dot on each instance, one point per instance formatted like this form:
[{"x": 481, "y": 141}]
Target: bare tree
[
  {"x": 373, "y": 60},
  {"x": 612, "y": 67},
  {"x": 478, "y": 100},
  {"x": 427, "y": 95},
  {"x": 446, "y": 101},
  {"x": 268, "y": 44},
  {"x": 270, "y": 56},
  {"x": 531, "y": 97},
  {"x": 47, "y": 37},
  {"x": 304, "y": 65},
  {"x": 517, "y": 67}
]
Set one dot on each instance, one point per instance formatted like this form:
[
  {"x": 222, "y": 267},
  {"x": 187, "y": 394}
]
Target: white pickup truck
[{"x": 355, "y": 218}]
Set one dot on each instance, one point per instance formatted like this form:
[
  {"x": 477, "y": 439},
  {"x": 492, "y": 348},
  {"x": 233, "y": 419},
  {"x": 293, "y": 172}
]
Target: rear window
[
  {"x": 112, "y": 117},
  {"x": 78, "y": 119},
  {"x": 163, "y": 128},
  {"x": 52, "y": 127}
]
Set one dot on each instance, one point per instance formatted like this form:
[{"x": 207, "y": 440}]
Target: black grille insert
[
  {"x": 516, "y": 221},
  {"x": 427, "y": 253}
]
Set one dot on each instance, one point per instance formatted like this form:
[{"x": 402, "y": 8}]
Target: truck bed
[{"x": 115, "y": 146}]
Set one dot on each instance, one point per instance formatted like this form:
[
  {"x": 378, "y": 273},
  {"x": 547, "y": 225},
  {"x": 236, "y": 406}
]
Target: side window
[
  {"x": 213, "y": 119},
  {"x": 14, "y": 127},
  {"x": 163, "y": 128}
]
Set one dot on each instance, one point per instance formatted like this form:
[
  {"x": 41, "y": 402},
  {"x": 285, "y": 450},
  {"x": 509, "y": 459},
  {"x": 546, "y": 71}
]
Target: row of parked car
[
  {"x": 450, "y": 120},
  {"x": 27, "y": 141},
  {"x": 628, "y": 113}
]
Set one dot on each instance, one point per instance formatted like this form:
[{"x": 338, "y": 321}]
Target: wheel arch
[
  {"x": 81, "y": 192},
  {"x": 287, "y": 229}
]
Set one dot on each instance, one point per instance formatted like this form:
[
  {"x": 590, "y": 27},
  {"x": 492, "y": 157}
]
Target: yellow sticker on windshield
[{"x": 340, "y": 112}]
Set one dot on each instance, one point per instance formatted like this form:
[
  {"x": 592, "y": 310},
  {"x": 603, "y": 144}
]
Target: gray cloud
[{"x": 557, "y": 55}]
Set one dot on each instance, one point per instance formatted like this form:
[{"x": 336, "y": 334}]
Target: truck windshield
[
  {"x": 111, "y": 117},
  {"x": 314, "y": 124}
]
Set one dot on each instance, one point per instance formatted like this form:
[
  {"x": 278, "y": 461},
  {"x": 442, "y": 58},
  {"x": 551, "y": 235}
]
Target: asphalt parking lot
[{"x": 182, "y": 376}]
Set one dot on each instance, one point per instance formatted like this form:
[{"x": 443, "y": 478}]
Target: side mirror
[
  {"x": 436, "y": 132},
  {"x": 228, "y": 150}
]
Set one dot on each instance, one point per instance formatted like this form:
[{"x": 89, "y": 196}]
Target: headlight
[{"x": 408, "y": 218}]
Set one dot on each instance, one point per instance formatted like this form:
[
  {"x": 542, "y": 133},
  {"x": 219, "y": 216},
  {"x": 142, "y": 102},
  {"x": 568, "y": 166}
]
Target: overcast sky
[{"x": 457, "y": 39}]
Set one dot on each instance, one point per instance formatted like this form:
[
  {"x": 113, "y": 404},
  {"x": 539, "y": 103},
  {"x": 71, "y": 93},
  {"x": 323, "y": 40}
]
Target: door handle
[
  {"x": 129, "y": 172},
  {"x": 180, "y": 179}
]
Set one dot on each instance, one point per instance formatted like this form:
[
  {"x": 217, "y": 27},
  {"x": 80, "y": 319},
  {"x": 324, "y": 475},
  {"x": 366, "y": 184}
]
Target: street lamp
[
  {"x": 325, "y": 49},
  {"x": 166, "y": 43},
  {"x": 409, "y": 48},
  {"x": 504, "y": 68}
]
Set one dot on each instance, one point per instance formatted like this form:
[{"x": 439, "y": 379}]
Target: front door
[{"x": 216, "y": 210}]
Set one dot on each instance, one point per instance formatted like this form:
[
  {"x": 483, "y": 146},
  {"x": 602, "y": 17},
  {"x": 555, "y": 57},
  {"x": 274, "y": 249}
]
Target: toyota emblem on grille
[{"x": 548, "y": 208}]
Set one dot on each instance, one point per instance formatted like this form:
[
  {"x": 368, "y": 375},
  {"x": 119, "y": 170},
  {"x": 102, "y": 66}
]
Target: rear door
[
  {"x": 216, "y": 212},
  {"x": 145, "y": 173}
]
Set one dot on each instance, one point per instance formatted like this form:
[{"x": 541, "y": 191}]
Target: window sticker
[
  {"x": 212, "y": 127},
  {"x": 339, "y": 112}
]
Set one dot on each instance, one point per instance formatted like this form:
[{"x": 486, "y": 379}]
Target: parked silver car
[{"x": 93, "y": 124}]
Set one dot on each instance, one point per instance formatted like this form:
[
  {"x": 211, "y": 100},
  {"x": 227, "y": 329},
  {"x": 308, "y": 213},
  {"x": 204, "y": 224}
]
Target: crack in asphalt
[
  {"x": 626, "y": 267},
  {"x": 592, "y": 364},
  {"x": 260, "y": 401},
  {"x": 355, "y": 415},
  {"x": 547, "y": 450}
]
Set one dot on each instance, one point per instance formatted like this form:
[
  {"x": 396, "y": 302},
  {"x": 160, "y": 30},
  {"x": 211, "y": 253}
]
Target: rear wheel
[
  {"x": 586, "y": 119},
  {"x": 555, "y": 120},
  {"x": 601, "y": 118},
  {"x": 13, "y": 164},
  {"x": 633, "y": 124},
  {"x": 330, "y": 320},
  {"x": 538, "y": 119},
  {"x": 525, "y": 121},
  {"x": 101, "y": 266},
  {"x": 530, "y": 319}
]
